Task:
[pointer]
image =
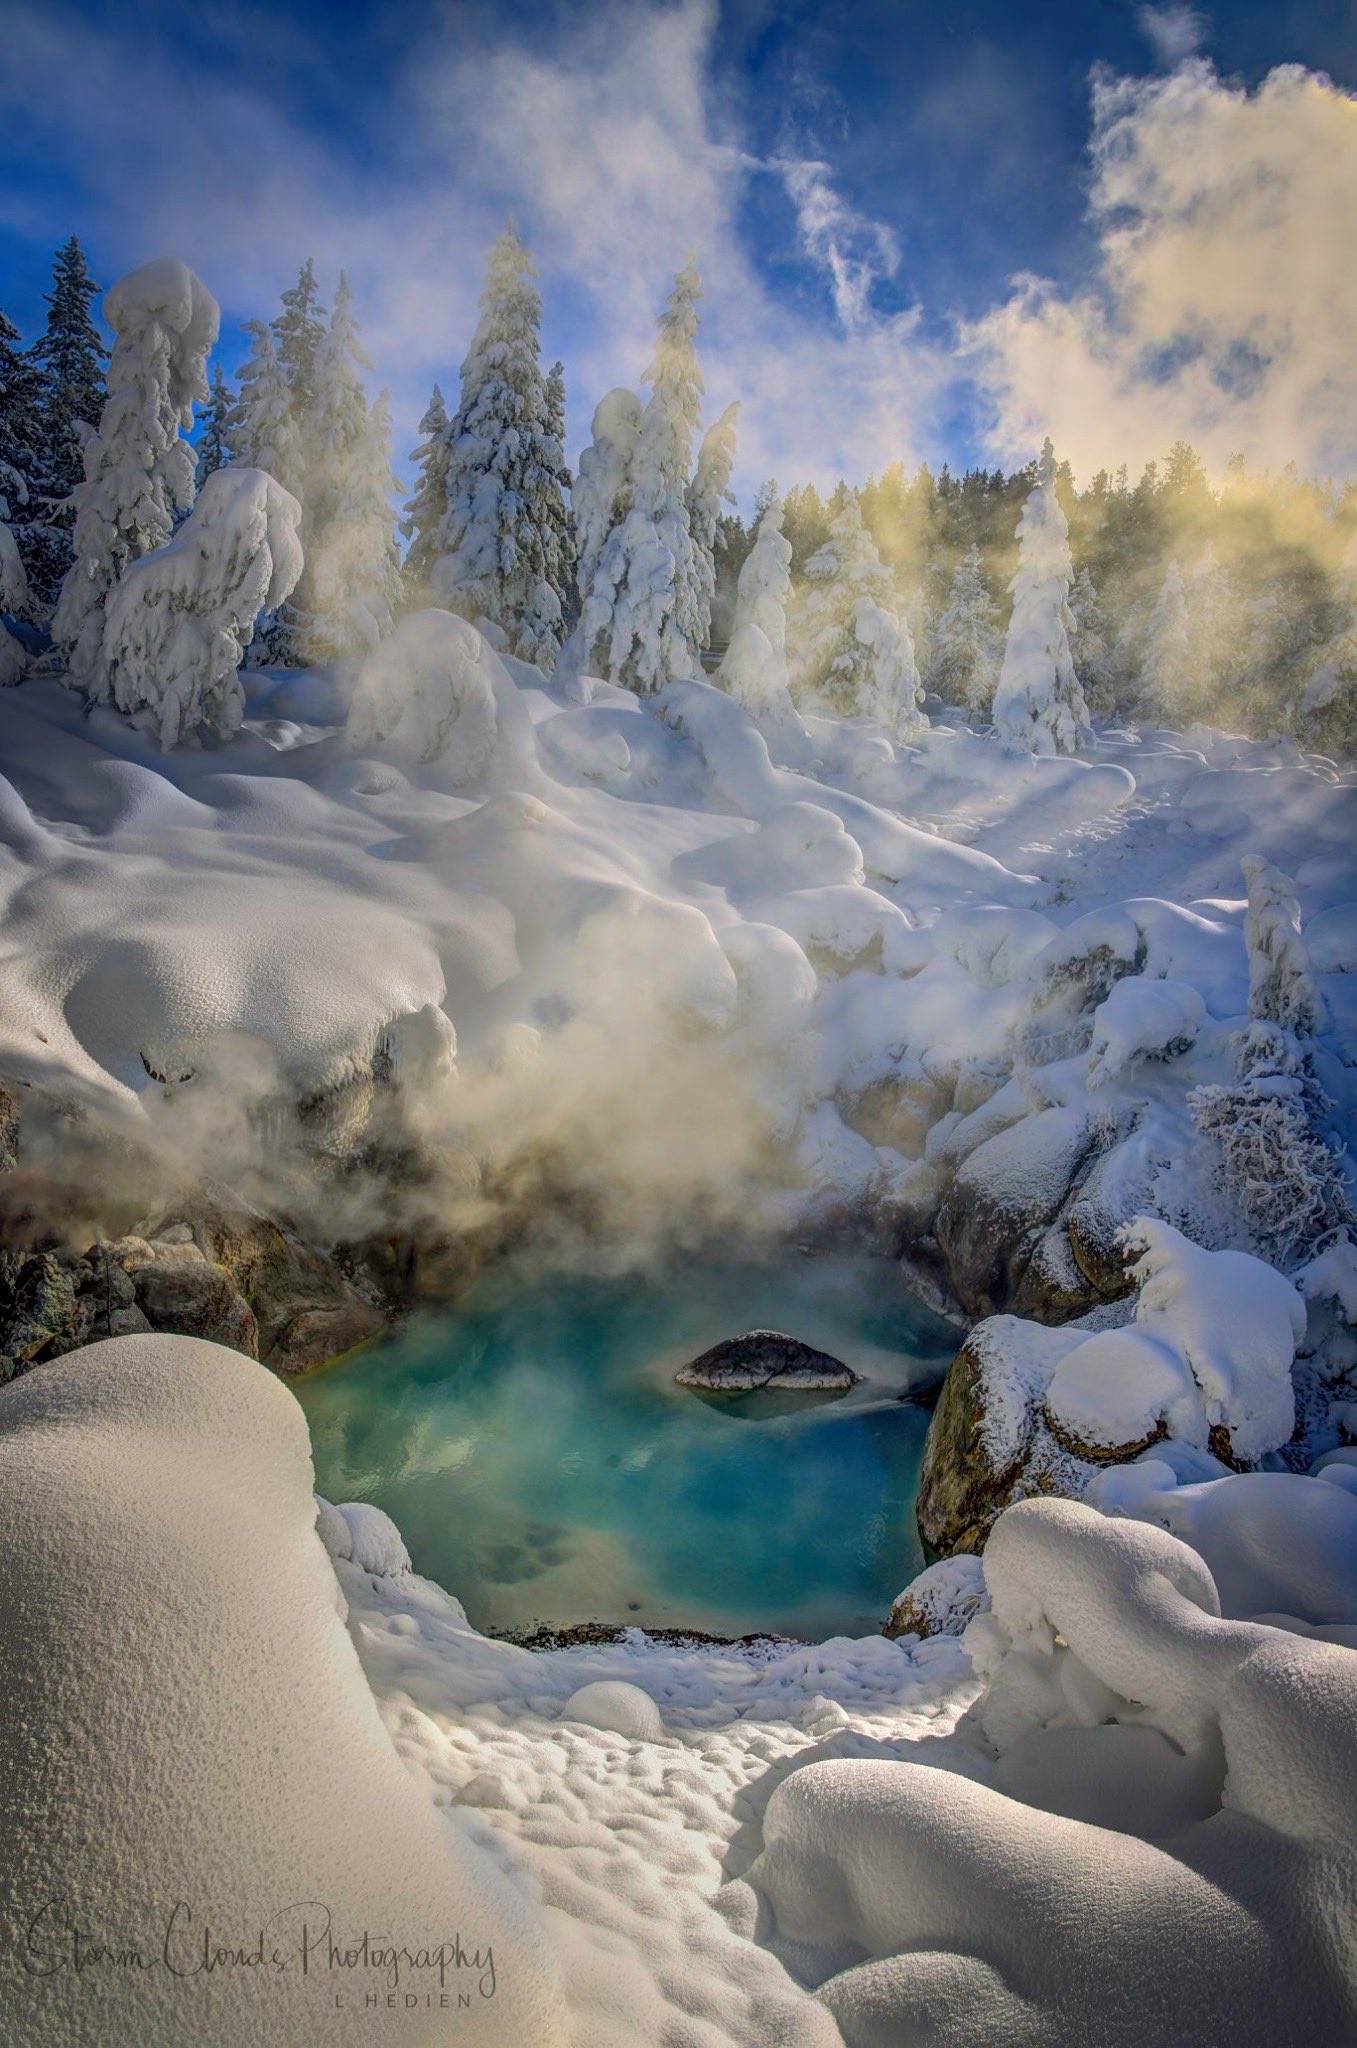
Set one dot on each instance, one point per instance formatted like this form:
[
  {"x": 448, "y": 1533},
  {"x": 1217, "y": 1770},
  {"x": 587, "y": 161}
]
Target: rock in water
[{"x": 766, "y": 1358}]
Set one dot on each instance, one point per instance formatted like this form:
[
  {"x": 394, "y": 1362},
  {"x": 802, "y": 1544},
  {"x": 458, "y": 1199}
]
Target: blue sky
[{"x": 862, "y": 184}]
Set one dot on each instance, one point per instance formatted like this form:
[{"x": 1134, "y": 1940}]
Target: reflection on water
[{"x": 541, "y": 1464}]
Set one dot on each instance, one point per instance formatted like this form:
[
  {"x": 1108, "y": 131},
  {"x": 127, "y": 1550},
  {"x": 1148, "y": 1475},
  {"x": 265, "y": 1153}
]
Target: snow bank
[
  {"x": 428, "y": 694},
  {"x": 186, "y": 1720},
  {"x": 1171, "y": 1792}
]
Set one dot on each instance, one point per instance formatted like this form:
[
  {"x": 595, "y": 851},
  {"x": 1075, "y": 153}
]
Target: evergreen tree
[
  {"x": 561, "y": 555},
  {"x": 425, "y": 509},
  {"x": 1038, "y": 704},
  {"x": 502, "y": 540},
  {"x": 707, "y": 493},
  {"x": 214, "y": 438},
  {"x": 754, "y": 669},
  {"x": 964, "y": 663},
  {"x": 641, "y": 608},
  {"x": 70, "y": 358},
  {"x": 264, "y": 433},
  {"x": 1327, "y": 715},
  {"x": 33, "y": 545},
  {"x": 138, "y": 466},
  {"x": 855, "y": 653},
  {"x": 350, "y": 586},
  {"x": 1090, "y": 648},
  {"x": 299, "y": 335}
]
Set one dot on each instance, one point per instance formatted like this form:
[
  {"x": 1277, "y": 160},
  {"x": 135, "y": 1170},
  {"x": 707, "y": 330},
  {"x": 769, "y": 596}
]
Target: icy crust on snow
[
  {"x": 186, "y": 1720},
  {"x": 1170, "y": 1791}
]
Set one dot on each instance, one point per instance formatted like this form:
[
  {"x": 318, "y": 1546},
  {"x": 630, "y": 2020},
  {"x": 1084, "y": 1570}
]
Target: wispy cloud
[
  {"x": 1173, "y": 32},
  {"x": 856, "y": 251}
]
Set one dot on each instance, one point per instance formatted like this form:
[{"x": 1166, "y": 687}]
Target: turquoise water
[{"x": 541, "y": 1464}]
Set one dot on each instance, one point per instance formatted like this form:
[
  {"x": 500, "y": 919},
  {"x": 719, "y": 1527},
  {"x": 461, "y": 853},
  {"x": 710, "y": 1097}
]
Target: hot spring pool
[{"x": 541, "y": 1465}]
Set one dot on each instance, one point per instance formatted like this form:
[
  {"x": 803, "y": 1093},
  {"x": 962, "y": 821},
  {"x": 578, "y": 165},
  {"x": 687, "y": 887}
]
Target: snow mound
[
  {"x": 1207, "y": 1358},
  {"x": 187, "y": 1721},
  {"x": 1140, "y": 1019},
  {"x": 616, "y": 1707},
  {"x": 1172, "y": 1791},
  {"x": 428, "y": 693}
]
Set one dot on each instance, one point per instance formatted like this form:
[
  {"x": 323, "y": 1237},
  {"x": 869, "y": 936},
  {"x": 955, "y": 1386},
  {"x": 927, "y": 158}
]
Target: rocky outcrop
[{"x": 766, "y": 1358}]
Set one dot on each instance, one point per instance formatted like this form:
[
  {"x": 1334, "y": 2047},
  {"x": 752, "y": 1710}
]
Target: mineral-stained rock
[
  {"x": 41, "y": 1314},
  {"x": 1005, "y": 1194},
  {"x": 766, "y": 1358},
  {"x": 178, "y": 1289},
  {"x": 988, "y": 1444}
]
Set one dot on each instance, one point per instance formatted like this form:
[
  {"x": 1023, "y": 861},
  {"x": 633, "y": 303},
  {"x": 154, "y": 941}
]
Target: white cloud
[
  {"x": 1174, "y": 33},
  {"x": 856, "y": 251},
  {"x": 1225, "y": 301}
]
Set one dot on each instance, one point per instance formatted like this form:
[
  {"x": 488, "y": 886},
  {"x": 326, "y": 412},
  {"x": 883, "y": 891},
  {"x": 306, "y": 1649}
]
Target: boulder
[
  {"x": 942, "y": 1601},
  {"x": 1005, "y": 1195},
  {"x": 179, "y": 1290},
  {"x": 766, "y": 1358}
]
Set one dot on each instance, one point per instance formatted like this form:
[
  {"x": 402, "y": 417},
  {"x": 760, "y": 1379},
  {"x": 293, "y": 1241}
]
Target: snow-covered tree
[
  {"x": 964, "y": 656},
  {"x": 13, "y": 581},
  {"x": 69, "y": 357},
  {"x": 1166, "y": 653},
  {"x": 1038, "y": 704},
  {"x": 298, "y": 336},
  {"x": 138, "y": 467},
  {"x": 1091, "y": 646},
  {"x": 641, "y": 609},
  {"x": 429, "y": 501},
  {"x": 215, "y": 432},
  {"x": 707, "y": 493},
  {"x": 501, "y": 539},
  {"x": 855, "y": 652},
  {"x": 177, "y": 625},
  {"x": 561, "y": 557},
  {"x": 600, "y": 496},
  {"x": 350, "y": 586},
  {"x": 264, "y": 434},
  {"x": 754, "y": 669}
]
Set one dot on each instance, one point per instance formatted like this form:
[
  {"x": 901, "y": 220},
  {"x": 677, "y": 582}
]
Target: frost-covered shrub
[
  {"x": 1277, "y": 1165},
  {"x": 428, "y": 692},
  {"x": 1038, "y": 704},
  {"x": 178, "y": 622},
  {"x": 139, "y": 470}
]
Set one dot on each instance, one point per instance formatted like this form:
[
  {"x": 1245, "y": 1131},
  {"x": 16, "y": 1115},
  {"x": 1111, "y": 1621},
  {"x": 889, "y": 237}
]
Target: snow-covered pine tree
[
  {"x": 600, "y": 496},
  {"x": 754, "y": 669},
  {"x": 13, "y": 579},
  {"x": 855, "y": 654},
  {"x": 298, "y": 337},
  {"x": 1038, "y": 704},
  {"x": 964, "y": 664},
  {"x": 561, "y": 558},
  {"x": 640, "y": 606},
  {"x": 1166, "y": 654},
  {"x": 501, "y": 537},
  {"x": 429, "y": 501},
  {"x": 217, "y": 426},
  {"x": 1090, "y": 646},
  {"x": 138, "y": 466},
  {"x": 21, "y": 534},
  {"x": 350, "y": 587},
  {"x": 264, "y": 434},
  {"x": 707, "y": 493},
  {"x": 68, "y": 359}
]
